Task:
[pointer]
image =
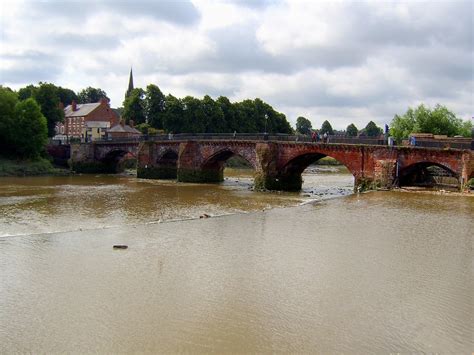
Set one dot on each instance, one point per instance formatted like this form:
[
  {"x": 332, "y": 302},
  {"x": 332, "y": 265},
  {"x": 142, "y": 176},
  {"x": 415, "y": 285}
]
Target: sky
[{"x": 342, "y": 61}]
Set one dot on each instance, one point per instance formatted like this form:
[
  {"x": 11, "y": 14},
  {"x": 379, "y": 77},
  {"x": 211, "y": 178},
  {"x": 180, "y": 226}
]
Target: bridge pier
[
  {"x": 191, "y": 167},
  {"x": 83, "y": 160},
  {"x": 155, "y": 164}
]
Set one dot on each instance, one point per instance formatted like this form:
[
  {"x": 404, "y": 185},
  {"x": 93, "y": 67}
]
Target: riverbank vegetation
[{"x": 29, "y": 167}]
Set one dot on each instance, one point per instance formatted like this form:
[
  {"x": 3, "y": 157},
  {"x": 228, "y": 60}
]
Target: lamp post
[{"x": 266, "y": 118}]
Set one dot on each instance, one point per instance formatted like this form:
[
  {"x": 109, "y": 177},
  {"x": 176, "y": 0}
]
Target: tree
[
  {"x": 91, "y": 95},
  {"x": 27, "y": 92},
  {"x": 326, "y": 128},
  {"x": 23, "y": 128},
  {"x": 437, "y": 121},
  {"x": 423, "y": 119},
  {"x": 351, "y": 130},
  {"x": 466, "y": 129},
  {"x": 30, "y": 129},
  {"x": 133, "y": 107},
  {"x": 214, "y": 116},
  {"x": 372, "y": 130},
  {"x": 8, "y": 101},
  {"x": 173, "y": 117},
  {"x": 47, "y": 97},
  {"x": 154, "y": 105},
  {"x": 303, "y": 125},
  {"x": 67, "y": 96},
  {"x": 402, "y": 126}
]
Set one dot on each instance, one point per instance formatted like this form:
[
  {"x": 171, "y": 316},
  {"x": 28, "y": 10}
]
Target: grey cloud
[
  {"x": 68, "y": 41},
  {"x": 434, "y": 23},
  {"x": 30, "y": 67},
  {"x": 254, "y": 4},
  {"x": 181, "y": 12}
]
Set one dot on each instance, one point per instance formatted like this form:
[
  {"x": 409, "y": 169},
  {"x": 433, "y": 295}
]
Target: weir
[{"x": 278, "y": 164}]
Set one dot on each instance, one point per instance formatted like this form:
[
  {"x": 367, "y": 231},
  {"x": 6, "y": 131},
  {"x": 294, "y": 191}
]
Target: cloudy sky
[{"x": 345, "y": 61}]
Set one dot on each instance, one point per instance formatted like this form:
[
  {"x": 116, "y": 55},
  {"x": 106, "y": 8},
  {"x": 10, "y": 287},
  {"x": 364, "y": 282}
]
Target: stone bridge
[{"x": 278, "y": 165}]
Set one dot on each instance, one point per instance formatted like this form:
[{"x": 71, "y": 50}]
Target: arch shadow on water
[
  {"x": 168, "y": 164},
  {"x": 118, "y": 160},
  {"x": 428, "y": 175}
]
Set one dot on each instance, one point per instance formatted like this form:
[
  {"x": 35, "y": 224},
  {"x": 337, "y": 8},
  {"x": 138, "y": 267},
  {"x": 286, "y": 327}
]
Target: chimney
[
  {"x": 131, "y": 123},
  {"x": 104, "y": 101},
  {"x": 61, "y": 106},
  {"x": 74, "y": 105},
  {"x": 122, "y": 122}
]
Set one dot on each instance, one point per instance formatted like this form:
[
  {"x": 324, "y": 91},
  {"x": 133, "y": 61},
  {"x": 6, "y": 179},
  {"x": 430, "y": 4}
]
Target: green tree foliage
[
  {"x": 372, "y": 130},
  {"x": 326, "y": 128},
  {"x": 134, "y": 107},
  {"x": 154, "y": 104},
  {"x": 67, "y": 96},
  {"x": 173, "y": 118},
  {"x": 351, "y": 130},
  {"x": 8, "y": 100},
  {"x": 423, "y": 119},
  {"x": 47, "y": 97},
  {"x": 303, "y": 125},
  {"x": 23, "y": 128},
  {"x": 91, "y": 95},
  {"x": 466, "y": 129},
  {"x": 27, "y": 92},
  {"x": 30, "y": 129},
  {"x": 193, "y": 115}
]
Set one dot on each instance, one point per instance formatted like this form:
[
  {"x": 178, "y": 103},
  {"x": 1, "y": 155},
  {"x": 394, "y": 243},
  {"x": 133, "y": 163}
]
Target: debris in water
[
  {"x": 204, "y": 216},
  {"x": 120, "y": 246}
]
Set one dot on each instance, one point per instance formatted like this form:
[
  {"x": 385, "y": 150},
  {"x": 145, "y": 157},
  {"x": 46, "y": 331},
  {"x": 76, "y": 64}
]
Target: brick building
[{"x": 86, "y": 121}]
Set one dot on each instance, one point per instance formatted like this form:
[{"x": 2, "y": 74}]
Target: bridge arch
[
  {"x": 167, "y": 163},
  {"x": 290, "y": 175},
  {"x": 113, "y": 159},
  {"x": 428, "y": 174},
  {"x": 214, "y": 165}
]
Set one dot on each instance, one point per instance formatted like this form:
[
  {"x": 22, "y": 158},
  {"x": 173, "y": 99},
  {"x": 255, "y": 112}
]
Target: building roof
[
  {"x": 81, "y": 109},
  {"x": 125, "y": 128}
]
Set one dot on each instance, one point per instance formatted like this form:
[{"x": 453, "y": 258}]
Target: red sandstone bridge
[{"x": 278, "y": 160}]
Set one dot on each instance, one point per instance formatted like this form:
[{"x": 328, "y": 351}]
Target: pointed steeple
[{"x": 130, "y": 83}]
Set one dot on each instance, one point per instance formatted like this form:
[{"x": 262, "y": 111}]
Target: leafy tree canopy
[
  {"x": 91, "y": 95},
  {"x": 351, "y": 130},
  {"x": 30, "y": 130},
  {"x": 326, "y": 128},
  {"x": 47, "y": 96},
  {"x": 372, "y": 130},
  {"x": 23, "y": 128},
  {"x": 303, "y": 125},
  {"x": 154, "y": 105},
  {"x": 423, "y": 119},
  {"x": 134, "y": 107}
]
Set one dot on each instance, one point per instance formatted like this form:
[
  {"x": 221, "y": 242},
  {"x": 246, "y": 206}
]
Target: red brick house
[{"x": 86, "y": 121}]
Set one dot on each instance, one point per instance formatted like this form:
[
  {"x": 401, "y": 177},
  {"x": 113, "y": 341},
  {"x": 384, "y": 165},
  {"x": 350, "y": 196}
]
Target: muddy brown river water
[{"x": 383, "y": 272}]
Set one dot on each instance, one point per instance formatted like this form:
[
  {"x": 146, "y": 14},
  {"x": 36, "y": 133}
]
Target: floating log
[{"x": 120, "y": 246}]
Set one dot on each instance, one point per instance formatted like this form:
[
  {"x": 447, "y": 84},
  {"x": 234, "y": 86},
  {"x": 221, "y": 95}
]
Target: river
[{"x": 268, "y": 272}]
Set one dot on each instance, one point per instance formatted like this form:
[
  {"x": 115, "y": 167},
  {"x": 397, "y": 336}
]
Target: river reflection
[{"x": 385, "y": 272}]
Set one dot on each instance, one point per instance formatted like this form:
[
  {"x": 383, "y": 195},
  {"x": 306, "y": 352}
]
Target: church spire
[{"x": 130, "y": 83}]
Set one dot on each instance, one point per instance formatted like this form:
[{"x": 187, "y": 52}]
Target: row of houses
[{"x": 90, "y": 122}]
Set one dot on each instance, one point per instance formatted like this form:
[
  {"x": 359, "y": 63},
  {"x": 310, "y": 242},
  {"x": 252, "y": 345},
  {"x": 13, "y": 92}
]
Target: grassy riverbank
[{"x": 40, "y": 166}]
